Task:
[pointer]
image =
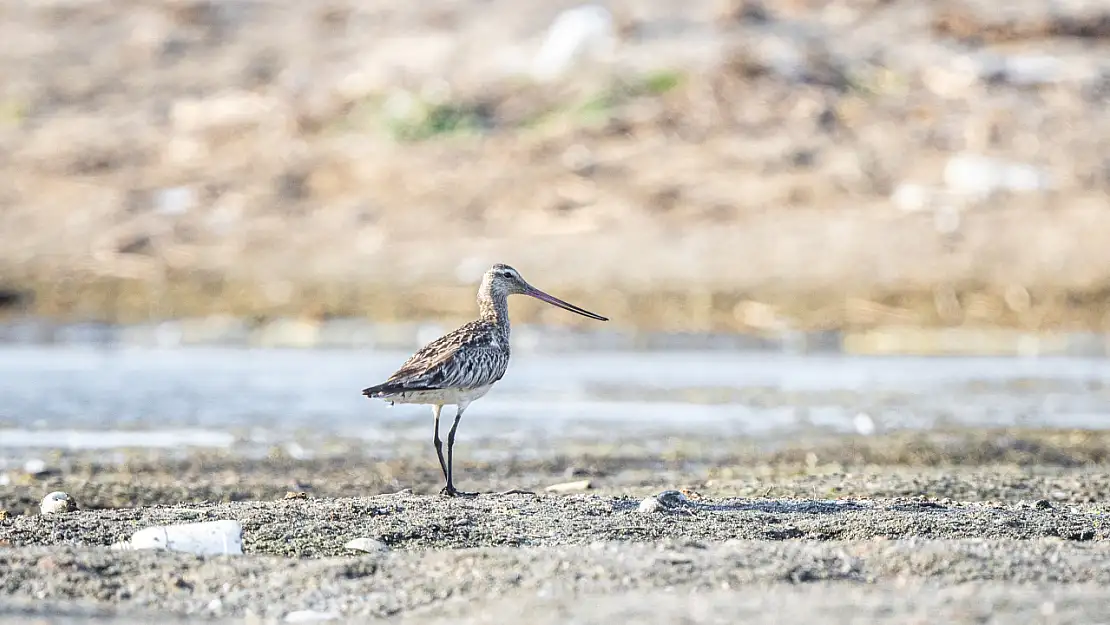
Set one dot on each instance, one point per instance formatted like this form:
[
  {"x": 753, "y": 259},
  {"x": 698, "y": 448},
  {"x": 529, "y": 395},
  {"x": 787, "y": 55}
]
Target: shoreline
[{"x": 309, "y": 332}]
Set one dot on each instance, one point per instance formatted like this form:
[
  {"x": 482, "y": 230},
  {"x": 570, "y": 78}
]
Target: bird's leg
[
  {"x": 449, "y": 490},
  {"x": 438, "y": 443}
]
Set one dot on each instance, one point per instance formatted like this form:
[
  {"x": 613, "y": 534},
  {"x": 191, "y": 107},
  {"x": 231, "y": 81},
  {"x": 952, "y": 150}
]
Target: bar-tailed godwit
[{"x": 461, "y": 366}]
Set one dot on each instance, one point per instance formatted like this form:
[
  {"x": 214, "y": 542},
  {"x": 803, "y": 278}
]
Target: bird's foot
[{"x": 451, "y": 491}]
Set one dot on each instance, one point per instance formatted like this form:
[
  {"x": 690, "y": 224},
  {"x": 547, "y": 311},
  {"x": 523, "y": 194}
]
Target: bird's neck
[{"x": 494, "y": 308}]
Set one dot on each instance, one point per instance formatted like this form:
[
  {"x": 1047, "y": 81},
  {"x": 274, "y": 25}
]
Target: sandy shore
[{"x": 938, "y": 533}]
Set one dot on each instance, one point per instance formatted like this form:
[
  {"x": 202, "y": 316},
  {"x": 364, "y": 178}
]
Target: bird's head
[{"x": 502, "y": 280}]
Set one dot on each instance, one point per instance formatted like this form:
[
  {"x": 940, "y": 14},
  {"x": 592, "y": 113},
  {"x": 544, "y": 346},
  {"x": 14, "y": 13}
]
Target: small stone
[
  {"x": 978, "y": 176},
  {"x": 3, "y": 515},
  {"x": 174, "y": 201},
  {"x": 912, "y": 197},
  {"x": 668, "y": 500},
  {"x": 296, "y": 495},
  {"x": 864, "y": 424},
  {"x": 369, "y": 545},
  {"x": 570, "y": 487},
  {"x": 1043, "y": 504},
  {"x": 57, "y": 502},
  {"x": 34, "y": 466},
  {"x": 672, "y": 499},
  {"x": 584, "y": 32}
]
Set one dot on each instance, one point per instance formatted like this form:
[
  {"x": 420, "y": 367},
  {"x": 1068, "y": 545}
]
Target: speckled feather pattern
[{"x": 473, "y": 356}]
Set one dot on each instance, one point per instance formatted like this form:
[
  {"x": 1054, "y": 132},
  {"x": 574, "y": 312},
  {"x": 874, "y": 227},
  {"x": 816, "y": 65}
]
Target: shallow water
[{"x": 96, "y": 397}]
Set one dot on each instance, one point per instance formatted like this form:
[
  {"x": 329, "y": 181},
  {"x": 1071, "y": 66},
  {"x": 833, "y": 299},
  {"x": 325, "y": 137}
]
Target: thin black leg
[
  {"x": 450, "y": 490},
  {"x": 438, "y": 443}
]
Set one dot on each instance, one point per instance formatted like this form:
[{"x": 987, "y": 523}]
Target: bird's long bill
[{"x": 555, "y": 301}]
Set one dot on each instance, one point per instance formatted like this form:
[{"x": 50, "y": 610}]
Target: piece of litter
[
  {"x": 568, "y": 487},
  {"x": 206, "y": 538}
]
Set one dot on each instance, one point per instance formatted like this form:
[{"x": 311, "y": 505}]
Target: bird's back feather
[{"x": 474, "y": 355}]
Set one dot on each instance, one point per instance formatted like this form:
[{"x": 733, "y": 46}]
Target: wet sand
[{"x": 940, "y": 529}]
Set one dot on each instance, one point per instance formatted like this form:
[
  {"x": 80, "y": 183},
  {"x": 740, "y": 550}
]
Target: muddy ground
[{"x": 1006, "y": 527}]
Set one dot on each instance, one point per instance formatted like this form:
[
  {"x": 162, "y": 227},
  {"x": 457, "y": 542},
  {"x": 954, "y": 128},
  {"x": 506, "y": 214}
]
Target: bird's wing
[{"x": 465, "y": 358}]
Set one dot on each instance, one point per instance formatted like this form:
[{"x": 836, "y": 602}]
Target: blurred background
[{"x": 220, "y": 219}]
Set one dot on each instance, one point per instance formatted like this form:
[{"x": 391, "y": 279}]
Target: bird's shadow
[{"x": 769, "y": 506}]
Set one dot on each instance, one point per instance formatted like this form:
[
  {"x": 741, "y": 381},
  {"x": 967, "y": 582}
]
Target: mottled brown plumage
[{"x": 461, "y": 366}]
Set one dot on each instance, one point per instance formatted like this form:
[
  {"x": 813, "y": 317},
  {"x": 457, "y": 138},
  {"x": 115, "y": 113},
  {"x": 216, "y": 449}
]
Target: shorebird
[{"x": 461, "y": 366}]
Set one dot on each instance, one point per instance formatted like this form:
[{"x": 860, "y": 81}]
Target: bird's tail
[
  {"x": 378, "y": 390},
  {"x": 386, "y": 389}
]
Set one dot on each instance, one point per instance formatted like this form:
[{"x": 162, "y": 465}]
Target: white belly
[{"x": 447, "y": 396}]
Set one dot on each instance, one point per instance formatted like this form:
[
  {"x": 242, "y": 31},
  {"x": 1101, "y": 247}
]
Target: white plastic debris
[
  {"x": 369, "y": 545},
  {"x": 206, "y": 538},
  {"x": 310, "y": 616},
  {"x": 570, "y": 487},
  {"x": 57, "y": 502},
  {"x": 575, "y": 34}
]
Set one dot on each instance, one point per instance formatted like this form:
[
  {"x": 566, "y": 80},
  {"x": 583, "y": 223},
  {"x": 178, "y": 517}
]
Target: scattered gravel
[
  {"x": 512, "y": 579},
  {"x": 734, "y": 538}
]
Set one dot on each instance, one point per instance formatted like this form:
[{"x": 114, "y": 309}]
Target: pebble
[
  {"x": 369, "y": 545},
  {"x": 666, "y": 500},
  {"x": 57, "y": 502},
  {"x": 864, "y": 424},
  {"x": 570, "y": 487},
  {"x": 175, "y": 201},
  {"x": 981, "y": 176},
  {"x": 672, "y": 498},
  {"x": 34, "y": 466},
  {"x": 576, "y": 34}
]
